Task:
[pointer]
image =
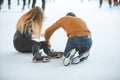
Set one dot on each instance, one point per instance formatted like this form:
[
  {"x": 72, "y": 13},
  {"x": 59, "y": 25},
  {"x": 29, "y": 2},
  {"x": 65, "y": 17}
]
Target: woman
[{"x": 29, "y": 27}]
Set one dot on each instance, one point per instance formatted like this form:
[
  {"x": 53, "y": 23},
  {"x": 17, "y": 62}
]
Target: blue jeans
[{"x": 81, "y": 43}]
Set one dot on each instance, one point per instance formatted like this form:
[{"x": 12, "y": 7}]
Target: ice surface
[{"x": 103, "y": 62}]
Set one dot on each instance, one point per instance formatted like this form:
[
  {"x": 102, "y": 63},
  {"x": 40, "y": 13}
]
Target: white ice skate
[
  {"x": 68, "y": 58},
  {"x": 80, "y": 58}
]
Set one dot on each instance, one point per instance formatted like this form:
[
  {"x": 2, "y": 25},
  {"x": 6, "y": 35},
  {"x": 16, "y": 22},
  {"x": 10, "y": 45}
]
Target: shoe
[
  {"x": 79, "y": 58},
  {"x": 69, "y": 56},
  {"x": 55, "y": 54},
  {"x": 37, "y": 57}
]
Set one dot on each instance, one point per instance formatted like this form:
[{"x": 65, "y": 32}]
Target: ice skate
[
  {"x": 55, "y": 54},
  {"x": 37, "y": 57},
  {"x": 69, "y": 57},
  {"x": 80, "y": 58}
]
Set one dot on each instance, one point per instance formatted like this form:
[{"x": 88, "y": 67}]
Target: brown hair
[{"x": 34, "y": 16}]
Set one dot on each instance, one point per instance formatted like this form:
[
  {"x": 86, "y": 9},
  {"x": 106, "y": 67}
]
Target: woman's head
[{"x": 34, "y": 16}]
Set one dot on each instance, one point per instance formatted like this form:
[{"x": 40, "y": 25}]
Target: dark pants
[
  {"x": 28, "y": 46},
  {"x": 18, "y": 2},
  {"x": 1, "y": 2},
  {"x": 9, "y": 4},
  {"x": 43, "y": 5},
  {"x": 110, "y": 2},
  {"x": 101, "y": 2},
  {"x": 115, "y": 2},
  {"x": 24, "y": 3},
  {"x": 29, "y": 3},
  {"x": 33, "y": 3},
  {"x": 80, "y": 43}
]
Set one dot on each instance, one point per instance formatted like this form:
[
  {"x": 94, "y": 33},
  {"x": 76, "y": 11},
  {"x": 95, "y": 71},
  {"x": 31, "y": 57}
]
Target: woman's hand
[{"x": 35, "y": 36}]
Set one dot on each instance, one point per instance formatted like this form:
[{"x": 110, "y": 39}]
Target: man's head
[{"x": 70, "y": 14}]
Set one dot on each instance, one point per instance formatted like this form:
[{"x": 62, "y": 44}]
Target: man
[{"x": 79, "y": 37}]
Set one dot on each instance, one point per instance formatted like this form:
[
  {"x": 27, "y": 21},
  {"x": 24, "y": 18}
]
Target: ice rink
[{"x": 103, "y": 62}]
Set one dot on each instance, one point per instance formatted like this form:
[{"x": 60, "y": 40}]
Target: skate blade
[
  {"x": 44, "y": 60},
  {"x": 59, "y": 55}
]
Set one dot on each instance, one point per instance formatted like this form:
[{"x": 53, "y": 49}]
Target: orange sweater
[{"x": 73, "y": 26}]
